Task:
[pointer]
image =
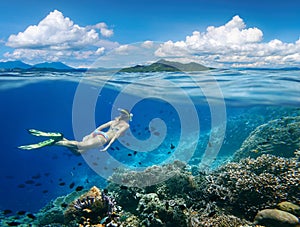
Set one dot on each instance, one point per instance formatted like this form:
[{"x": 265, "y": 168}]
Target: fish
[
  {"x": 29, "y": 182},
  {"x": 172, "y": 146},
  {"x": 112, "y": 148},
  {"x": 37, "y": 176},
  {"x": 31, "y": 216},
  {"x": 156, "y": 133},
  {"x": 79, "y": 164},
  {"x": 13, "y": 223},
  {"x": 62, "y": 184},
  {"x": 72, "y": 185},
  {"x": 135, "y": 152},
  {"x": 129, "y": 154},
  {"x": 64, "y": 205},
  {"x": 38, "y": 184},
  {"x": 123, "y": 187},
  {"x": 21, "y": 186},
  {"x": 7, "y": 211},
  {"x": 45, "y": 191},
  {"x": 79, "y": 188},
  {"x": 21, "y": 212}
]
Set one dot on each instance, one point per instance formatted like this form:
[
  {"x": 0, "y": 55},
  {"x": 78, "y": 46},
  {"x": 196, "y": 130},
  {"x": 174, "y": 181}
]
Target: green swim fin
[
  {"x": 45, "y": 134},
  {"x": 38, "y": 145}
]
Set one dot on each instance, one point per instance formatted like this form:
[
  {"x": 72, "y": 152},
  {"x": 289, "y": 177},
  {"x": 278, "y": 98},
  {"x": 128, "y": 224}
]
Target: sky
[{"x": 216, "y": 33}]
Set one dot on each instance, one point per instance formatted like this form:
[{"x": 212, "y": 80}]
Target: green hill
[{"x": 166, "y": 66}]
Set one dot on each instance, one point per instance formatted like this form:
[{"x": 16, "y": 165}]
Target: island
[
  {"x": 19, "y": 66},
  {"x": 166, "y": 66}
]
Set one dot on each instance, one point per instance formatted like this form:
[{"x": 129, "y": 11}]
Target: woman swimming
[{"x": 95, "y": 139}]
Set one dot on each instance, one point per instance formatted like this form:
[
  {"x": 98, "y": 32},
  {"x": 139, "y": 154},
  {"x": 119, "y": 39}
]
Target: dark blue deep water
[{"x": 73, "y": 103}]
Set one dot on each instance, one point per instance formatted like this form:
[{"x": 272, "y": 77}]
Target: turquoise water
[{"x": 201, "y": 118}]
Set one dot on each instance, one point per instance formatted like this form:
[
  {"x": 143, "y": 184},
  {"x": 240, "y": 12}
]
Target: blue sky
[{"x": 227, "y": 33}]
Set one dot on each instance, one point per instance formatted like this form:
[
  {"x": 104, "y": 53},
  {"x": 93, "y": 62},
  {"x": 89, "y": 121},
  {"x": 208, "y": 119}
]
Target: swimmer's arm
[
  {"x": 97, "y": 130},
  {"x": 110, "y": 143},
  {"x": 116, "y": 136},
  {"x": 106, "y": 125}
]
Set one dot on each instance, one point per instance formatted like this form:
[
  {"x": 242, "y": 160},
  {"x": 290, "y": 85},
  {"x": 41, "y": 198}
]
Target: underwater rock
[
  {"x": 279, "y": 137},
  {"x": 289, "y": 207},
  {"x": 276, "y": 218}
]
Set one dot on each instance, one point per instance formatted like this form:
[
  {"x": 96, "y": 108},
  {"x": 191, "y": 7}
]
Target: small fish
[
  {"x": 64, "y": 205},
  {"x": 129, "y": 154},
  {"x": 31, "y": 216},
  {"x": 21, "y": 212},
  {"x": 95, "y": 163},
  {"x": 36, "y": 176},
  {"x": 38, "y": 184},
  {"x": 47, "y": 174},
  {"x": 118, "y": 148},
  {"x": 156, "y": 133},
  {"x": 123, "y": 187},
  {"x": 21, "y": 186},
  {"x": 79, "y": 164},
  {"x": 45, "y": 191},
  {"x": 172, "y": 146},
  {"x": 169, "y": 152},
  {"x": 140, "y": 163},
  {"x": 135, "y": 152},
  {"x": 72, "y": 185},
  {"x": 79, "y": 188},
  {"x": 13, "y": 223},
  {"x": 7, "y": 211},
  {"x": 29, "y": 182},
  {"x": 62, "y": 184},
  {"x": 112, "y": 148}
]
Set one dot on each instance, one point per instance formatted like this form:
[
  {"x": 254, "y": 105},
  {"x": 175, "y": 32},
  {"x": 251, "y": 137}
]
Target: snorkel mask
[{"x": 126, "y": 113}]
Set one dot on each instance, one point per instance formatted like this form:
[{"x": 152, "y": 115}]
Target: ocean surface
[{"x": 201, "y": 118}]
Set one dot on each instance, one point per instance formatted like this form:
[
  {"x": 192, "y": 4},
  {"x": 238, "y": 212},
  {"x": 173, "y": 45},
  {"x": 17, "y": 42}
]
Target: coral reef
[
  {"x": 254, "y": 184},
  {"x": 236, "y": 194},
  {"x": 278, "y": 137},
  {"x": 91, "y": 208},
  {"x": 150, "y": 176}
]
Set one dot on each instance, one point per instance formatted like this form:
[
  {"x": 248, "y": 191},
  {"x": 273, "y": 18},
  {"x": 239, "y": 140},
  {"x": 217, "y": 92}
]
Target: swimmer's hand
[{"x": 104, "y": 149}]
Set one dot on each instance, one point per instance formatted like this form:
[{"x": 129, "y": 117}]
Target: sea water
[{"x": 201, "y": 118}]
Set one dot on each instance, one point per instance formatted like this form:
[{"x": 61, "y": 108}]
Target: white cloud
[
  {"x": 148, "y": 44},
  {"x": 56, "y": 36},
  {"x": 232, "y": 45},
  {"x": 104, "y": 30}
]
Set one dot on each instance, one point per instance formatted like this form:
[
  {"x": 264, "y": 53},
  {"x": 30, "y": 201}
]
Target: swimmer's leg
[{"x": 72, "y": 145}]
